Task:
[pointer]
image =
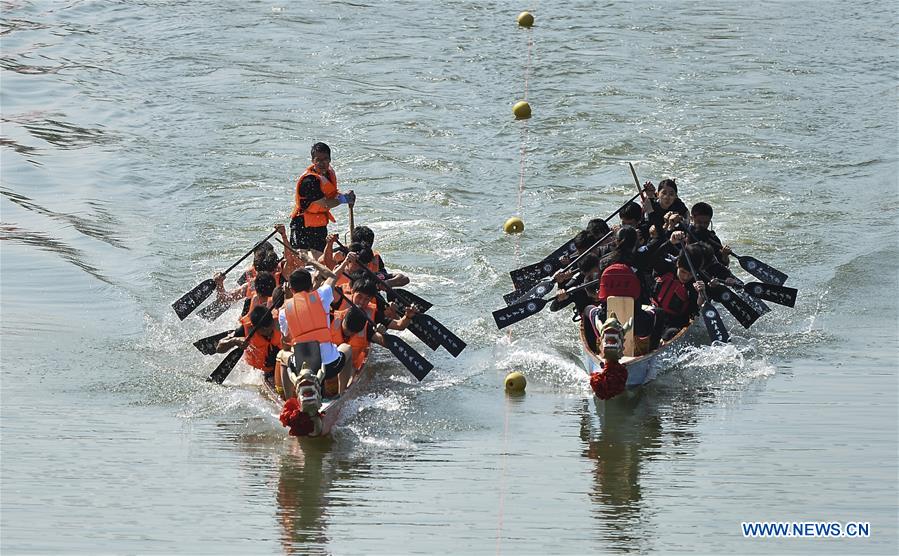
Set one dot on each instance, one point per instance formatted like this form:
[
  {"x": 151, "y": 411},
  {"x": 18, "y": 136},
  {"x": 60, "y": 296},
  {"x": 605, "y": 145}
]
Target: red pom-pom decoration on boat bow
[
  {"x": 292, "y": 417},
  {"x": 610, "y": 382}
]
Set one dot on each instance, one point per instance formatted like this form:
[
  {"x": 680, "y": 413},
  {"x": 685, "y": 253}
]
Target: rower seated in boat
[
  {"x": 620, "y": 279},
  {"x": 306, "y": 317},
  {"x": 263, "y": 347}
]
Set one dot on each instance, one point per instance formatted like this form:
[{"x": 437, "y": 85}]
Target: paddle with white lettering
[
  {"x": 782, "y": 295},
  {"x": 425, "y": 324},
  {"x": 414, "y": 327},
  {"x": 764, "y": 272},
  {"x": 546, "y": 285},
  {"x": 757, "y": 304},
  {"x": 520, "y": 311},
  {"x": 411, "y": 359},
  {"x": 432, "y": 332},
  {"x": 713, "y": 323},
  {"x": 186, "y": 304},
  {"x": 745, "y": 314},
  {"x": 208, "y": 345},
  {"x": 526, "y": 277},
  {"x": 215, "y": 309}
]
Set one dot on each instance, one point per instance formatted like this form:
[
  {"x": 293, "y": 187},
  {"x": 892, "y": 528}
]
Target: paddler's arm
[
  {"x": 332, "y": 276},
  {"x": 327, "y": 257},
  {"x": 232, "y": 341},
  {"x": 403, "y": 323},
  {"x": 292, "y": 260},
  {"x": 223, "y": 295},
  {"x": 311, "y": 194},
  {"x": 397, "y": 280}
]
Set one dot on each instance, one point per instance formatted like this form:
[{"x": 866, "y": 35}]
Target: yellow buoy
[
  {"x": 526, "y": 19},
  {"x": 515, "y": 382},
  {"x": 513, "y": 225},
  {"x": 522, "y": 110}
]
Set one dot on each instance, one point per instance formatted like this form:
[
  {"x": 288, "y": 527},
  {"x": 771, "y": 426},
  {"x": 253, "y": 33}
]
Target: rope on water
[{"x": 522, "y": 167}]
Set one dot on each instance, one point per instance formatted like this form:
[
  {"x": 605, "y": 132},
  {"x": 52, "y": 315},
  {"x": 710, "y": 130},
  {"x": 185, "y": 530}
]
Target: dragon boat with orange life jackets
[{"x": 639, "y": 368}]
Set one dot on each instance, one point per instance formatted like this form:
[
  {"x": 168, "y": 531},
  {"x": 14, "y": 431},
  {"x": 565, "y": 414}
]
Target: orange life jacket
[
  {"x": 671, "y": 295},
  {"x": 375, "y": 264},
  {"x": 307, "y": 320},
  {"x": 359, "y": 341},
  {"x": 316, "y": 216},
  {"x": 259, "y": 347},
  {"x": 257, "y": 300},
  {"x": 618, "y": 279}
]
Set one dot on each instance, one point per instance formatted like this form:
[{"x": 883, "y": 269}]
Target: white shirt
[{"x": 328, "y": 349}]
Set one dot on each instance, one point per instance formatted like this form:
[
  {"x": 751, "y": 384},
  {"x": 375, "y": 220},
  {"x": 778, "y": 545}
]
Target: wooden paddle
[
  {"x": 713, "y": 323},
  {"x": 526, "y": 277},
  {"x": 186, "y": 304},
  {"x": 546, "y": 285},
  {"x": 520, "y": 311},
  {"x": 411, "y": 359},
  {"x": 640, "y": 189},
  {"x": 227, "y": 365}
]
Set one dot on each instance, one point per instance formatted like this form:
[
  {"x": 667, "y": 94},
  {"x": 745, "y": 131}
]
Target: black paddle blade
[
  {"x": 424, "y": 334},
  {"x": 208, "y": 345},
  {"x": 420, "y": 331},
  {"x": 525, "y": 277},
  {"x": 411, "y": 359},
  {"x": 226, "y": 366},
  {"x": 214, "y": 310},
  {"x": 782, "y": 295},
  {"x": 512, "y": 297},
  {"x": 538, "y": 291},
  {"x": 192, "y": 299},
  {"x": 741, "y": 310},
  {"x": 520, "y": 311},
  {"x": 757, "y": 304},
  {"x": 713, "y": 323},
  {"x": 452, "y": 343},
  {"x": 409, "y": 298},
  {"x": 762, "y": 271}
]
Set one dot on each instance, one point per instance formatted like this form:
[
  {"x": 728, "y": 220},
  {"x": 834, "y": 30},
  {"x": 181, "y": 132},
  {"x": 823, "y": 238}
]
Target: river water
[{"x": 148, "y": 144}]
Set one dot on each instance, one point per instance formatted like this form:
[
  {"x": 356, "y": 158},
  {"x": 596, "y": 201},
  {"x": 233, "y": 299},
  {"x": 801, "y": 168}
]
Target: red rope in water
[{"x": 521, "y": 173}]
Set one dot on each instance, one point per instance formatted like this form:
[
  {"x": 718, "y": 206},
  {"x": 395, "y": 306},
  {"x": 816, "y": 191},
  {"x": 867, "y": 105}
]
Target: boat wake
[{"x": 540, "y": 364}]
